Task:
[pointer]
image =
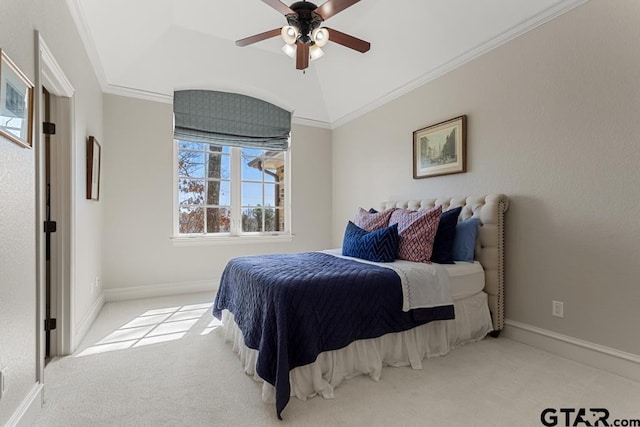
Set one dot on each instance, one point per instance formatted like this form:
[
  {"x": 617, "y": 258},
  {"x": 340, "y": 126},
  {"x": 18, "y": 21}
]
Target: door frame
[{"x": 49, "y": 74}]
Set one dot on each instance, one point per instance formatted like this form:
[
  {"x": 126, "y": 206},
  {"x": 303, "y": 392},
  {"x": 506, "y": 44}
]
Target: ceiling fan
[{"x": 304, "y": 36}]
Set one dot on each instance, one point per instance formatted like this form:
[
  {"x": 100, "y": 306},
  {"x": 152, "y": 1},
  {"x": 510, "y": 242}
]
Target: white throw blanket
[{"x": 423, "y": 285}]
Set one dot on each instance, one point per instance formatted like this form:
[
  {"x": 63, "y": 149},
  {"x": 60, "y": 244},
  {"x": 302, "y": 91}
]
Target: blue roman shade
[{"x": 224, "y": 118}]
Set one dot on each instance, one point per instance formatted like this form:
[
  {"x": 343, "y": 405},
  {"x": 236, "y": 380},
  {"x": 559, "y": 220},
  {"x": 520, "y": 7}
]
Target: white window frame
[{"x": 235, "y": 235}]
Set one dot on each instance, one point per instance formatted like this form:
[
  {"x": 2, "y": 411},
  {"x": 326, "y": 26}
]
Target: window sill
[{"x": 229, "y": 240}]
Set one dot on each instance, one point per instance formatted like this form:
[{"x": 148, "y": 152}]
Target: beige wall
[
  {"x": 552, "y": 122},
  {"x": 18, "y": 225},
  {"x": 138, "y": 192}
]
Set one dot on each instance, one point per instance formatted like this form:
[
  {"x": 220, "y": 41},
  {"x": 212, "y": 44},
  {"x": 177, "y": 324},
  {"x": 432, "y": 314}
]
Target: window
[
  {"x": 232, "y": 172},
  {"x": 230, "y": 191}
]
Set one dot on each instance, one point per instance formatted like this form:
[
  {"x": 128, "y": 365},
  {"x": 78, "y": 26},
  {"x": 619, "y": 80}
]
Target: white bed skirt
[{"x": 408, "y": 348}]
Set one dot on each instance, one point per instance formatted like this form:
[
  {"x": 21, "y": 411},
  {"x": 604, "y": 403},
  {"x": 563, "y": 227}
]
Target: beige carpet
[{"x": 163, "y": 362}]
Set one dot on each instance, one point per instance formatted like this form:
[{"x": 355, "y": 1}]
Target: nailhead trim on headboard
[
  {"x": 498, "y": 321},
  {"x": 489, "y": 209}
]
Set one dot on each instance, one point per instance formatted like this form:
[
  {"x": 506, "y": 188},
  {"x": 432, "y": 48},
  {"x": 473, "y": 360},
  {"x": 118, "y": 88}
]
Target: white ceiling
[{"x": 149, "y": 48}]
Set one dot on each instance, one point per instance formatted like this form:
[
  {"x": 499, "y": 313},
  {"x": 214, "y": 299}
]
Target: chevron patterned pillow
[
  {"x": 370, "y": 221},
  {"x": 378, "y": 246},
  {"x": 417, "y": 230}
]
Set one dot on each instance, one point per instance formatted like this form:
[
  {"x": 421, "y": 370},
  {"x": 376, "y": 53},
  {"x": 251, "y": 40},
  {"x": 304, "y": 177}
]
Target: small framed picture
[
  {"x": 16, "y": 103},
  {"x": 93, "y": 169},
  {"x": 440, "y": 149}
]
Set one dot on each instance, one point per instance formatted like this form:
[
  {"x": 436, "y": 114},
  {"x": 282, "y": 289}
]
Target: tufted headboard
[{"x": 489, "y": 251}]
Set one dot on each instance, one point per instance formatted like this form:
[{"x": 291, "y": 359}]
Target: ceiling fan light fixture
[
  {"x": 315, "y": 52},
  {"x": 303, "y": 34},
  {"x": 320, "y": 36},
  {"x": 290, "y": 50},
  {"x": 289, "y": 34}
]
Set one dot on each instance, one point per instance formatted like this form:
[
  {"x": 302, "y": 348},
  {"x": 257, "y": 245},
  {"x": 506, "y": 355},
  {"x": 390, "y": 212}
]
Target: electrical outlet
[
  {"x": 557, "y": 308},
  {"x": 98, "y": 283},
  {"x": 3, "y": 382}
]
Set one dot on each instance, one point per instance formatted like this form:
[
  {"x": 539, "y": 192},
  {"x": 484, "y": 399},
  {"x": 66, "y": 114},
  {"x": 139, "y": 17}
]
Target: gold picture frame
[
  {"x": 93, "y": 169},
  {"x": 16, "y": 103},
  {"x": 440, "y": 149}
]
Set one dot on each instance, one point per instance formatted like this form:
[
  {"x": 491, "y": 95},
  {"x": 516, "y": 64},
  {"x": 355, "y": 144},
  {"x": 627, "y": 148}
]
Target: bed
[{"x": 304, "y": 340}]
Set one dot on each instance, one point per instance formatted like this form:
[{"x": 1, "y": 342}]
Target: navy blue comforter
[{"x": 292, "y": 307}]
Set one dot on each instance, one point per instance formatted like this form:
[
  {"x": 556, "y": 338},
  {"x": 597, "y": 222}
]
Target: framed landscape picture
[
  {"x": 16, "y": 103},
  {"x": 440, "y": 149}
]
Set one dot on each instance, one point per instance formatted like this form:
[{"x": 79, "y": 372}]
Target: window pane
[
  {"x": 251, "y": 220},
  {"x": 269, "y": 175},
  {"x": 254, "y": 218},
  {"x": 255, "y": 152},
  {"x": 251, "y": 168},
  {"x": 271, "y": 163},
  {"x": 218, "y": 220},
  {"x": 190, "y": 192},
  {"x": 274, "y": 219},
  {"x": 191, "y": 163},
  {"x": 219, "y": 166},
  {"x": 191, "y": 220},
  {"x": 270, "y": 195},
  {"x": 218, "y": 193},
  {"x": 251, "y": 194},
  {"x": 274, "y": 168},
  {"x": 191, "y": 145}
]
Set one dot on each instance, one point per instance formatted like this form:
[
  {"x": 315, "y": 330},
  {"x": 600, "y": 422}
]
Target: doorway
[
  {"x": 56, "y": 189},
  {"x": 50, "y": 228},
  {"x": 55, "y": 214}
]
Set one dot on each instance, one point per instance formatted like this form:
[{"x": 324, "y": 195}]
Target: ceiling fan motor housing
[{"x": 305, "y": 19}]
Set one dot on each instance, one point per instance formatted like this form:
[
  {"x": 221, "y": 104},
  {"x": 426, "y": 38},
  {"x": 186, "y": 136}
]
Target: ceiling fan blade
[
  {"x": 331, "y": 7},
  {"x": 348, "y": 41},
  {"x": 279, "y": 6},
  {"x": 258, "y": 37},
  {"x": 302, "y": 56}
]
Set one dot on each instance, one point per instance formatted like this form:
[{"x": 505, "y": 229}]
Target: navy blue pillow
[
  {"x": 443, "y": 243},
  {"x": 378, "y": 246}
]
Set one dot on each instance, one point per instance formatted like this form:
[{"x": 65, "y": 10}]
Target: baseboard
[
  {"x": 87, "y": 320},
  {"x": 29, "y": 409},
  {"x": 598, "y": 356},
  {"x": 160, "y": 290}
]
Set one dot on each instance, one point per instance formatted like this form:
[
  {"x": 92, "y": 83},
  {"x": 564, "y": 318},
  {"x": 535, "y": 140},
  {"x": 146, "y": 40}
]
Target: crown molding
[
  {"x": 138, "y": 93},
  {"x": 311, "y": 122},
  {"x": 505, "y": 37}
]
